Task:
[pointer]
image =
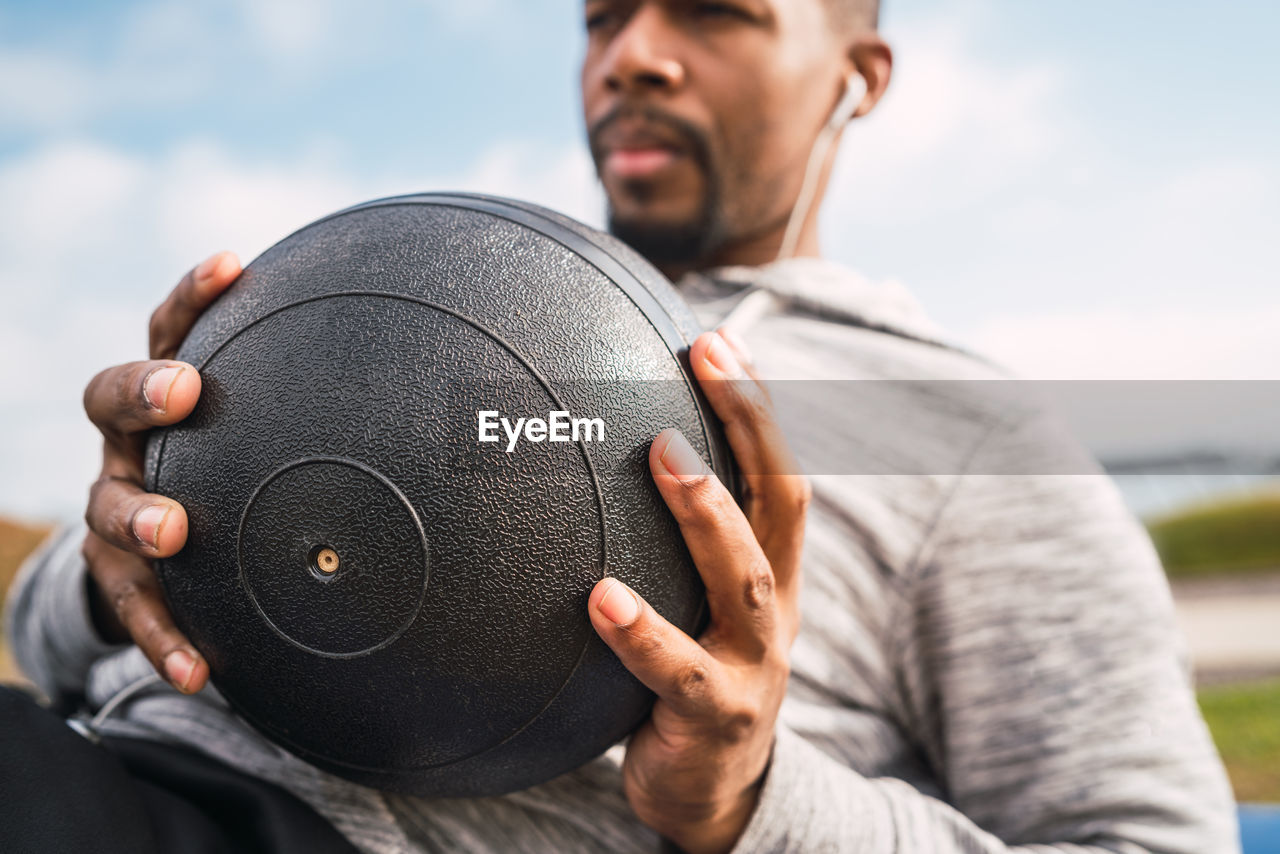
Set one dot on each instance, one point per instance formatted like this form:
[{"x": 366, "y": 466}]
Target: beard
[
  {"x": 673, "y": 243},
  {"x": 683, "y": 243}
]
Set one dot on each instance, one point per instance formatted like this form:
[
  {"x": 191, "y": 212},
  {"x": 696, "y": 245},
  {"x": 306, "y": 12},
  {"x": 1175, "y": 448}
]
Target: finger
[
  {"x": 777, "y": 495},
  {"x": 742, "y": 351},
  {"x": 136, "y": 396},
  {"x": 669, "y": 662},
  {"x": 131, "y": 590},
  {"x": 737, "y": 575},
  {"x": 195, "y": 292},
  {"x": 743, "y": 406},
  {"x": 129, "y": 518}
]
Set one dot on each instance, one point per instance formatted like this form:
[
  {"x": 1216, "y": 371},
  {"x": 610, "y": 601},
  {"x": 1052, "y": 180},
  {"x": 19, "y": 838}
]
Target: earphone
[{"x": 855, "y": 89}]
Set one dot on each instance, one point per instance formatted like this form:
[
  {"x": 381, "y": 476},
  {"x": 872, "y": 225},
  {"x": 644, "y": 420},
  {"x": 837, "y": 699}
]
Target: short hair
[{"x": 854, "y": 14}]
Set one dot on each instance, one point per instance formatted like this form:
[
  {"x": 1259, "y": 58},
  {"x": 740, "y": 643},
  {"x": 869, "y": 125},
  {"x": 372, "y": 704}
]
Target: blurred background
[{"x": 1083, "y": 190}]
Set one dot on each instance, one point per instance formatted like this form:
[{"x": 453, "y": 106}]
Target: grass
[
  {"x": 1239, "y": 534},
  {"x": 1245, "y": 722},
  {"x": 1235, "y": 535}
]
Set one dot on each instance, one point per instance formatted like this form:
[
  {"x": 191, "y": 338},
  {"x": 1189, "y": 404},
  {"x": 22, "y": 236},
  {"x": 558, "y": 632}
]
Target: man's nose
[{"x": 642, "y": 56}]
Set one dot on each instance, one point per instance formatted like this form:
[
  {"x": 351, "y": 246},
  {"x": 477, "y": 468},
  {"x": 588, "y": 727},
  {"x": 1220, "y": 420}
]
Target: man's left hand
[{"x": 693, "y": 771}]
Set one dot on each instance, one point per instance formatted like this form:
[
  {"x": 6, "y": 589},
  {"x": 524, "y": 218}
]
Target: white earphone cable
[{"x": 855, "y": 90}]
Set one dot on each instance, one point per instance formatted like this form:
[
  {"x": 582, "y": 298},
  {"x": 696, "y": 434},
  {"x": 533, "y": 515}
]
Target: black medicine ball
[{"x": 375, "y": 588}]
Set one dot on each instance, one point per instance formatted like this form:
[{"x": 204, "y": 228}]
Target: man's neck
[
  {"x": 753, "y": 251},
  {"x": 762, "y": 247}
]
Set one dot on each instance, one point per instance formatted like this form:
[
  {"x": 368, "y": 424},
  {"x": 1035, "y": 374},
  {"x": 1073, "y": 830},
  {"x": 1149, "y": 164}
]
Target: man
[{"x": 982, "y": 661}]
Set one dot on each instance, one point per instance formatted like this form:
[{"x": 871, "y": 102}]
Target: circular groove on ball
[{"x": 298, "y": 519}]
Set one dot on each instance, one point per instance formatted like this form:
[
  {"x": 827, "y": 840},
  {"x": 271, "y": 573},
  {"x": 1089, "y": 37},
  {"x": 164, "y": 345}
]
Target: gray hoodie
[{"x": 987, "y": 662}]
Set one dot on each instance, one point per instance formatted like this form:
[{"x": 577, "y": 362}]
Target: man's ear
[{"x": 871, "y": 57}]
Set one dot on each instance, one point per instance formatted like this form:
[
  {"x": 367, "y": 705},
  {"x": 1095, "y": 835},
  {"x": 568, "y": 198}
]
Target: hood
[{"x": 826, "y": 290}]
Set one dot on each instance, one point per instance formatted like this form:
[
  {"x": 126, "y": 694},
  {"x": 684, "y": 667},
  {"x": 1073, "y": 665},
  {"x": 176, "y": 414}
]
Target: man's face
[{"x": 700, "y": 116}]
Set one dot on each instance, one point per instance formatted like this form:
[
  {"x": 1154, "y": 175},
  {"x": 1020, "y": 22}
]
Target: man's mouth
[
  {"x": 635, "y": 148},
  {"x": 641, "y": 161}
]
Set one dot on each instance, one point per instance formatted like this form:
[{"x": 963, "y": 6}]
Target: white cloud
[
  {"x": 38, "y": 89},
  {"x": 1179, "y": 274},
  {"x": 46, "y": 90},
  {"x": 72, "y": 188},
  {"x": 292, "y": 28},
  {"x": 562, "y": 180},
  {"x": 466, "y": 15},
  {"x": 953, "y": 129},
  {"x": 1231, "y": 343},
  {"x": 1047, "y": 252},
  {"x": 50, "y": 452},
  {"x": 1192, "y": 234},
  {"x": 159, "y": 54}
]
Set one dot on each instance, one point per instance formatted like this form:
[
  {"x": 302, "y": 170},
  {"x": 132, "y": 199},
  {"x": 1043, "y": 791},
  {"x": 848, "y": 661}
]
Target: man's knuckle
[
  {"x": 693, "y": 681},
  {"x": 738, "y": 720},
  {"x": 128, "y": 596},
  {"x": 759, "y": 586},
  {"x": 108, "y": 513}
]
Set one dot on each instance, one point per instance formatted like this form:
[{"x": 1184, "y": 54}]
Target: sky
[{"x": 1084, "y": 190}]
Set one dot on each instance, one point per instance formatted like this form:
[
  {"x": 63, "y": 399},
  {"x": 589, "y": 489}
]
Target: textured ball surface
[{"x": 375, "y": 589}]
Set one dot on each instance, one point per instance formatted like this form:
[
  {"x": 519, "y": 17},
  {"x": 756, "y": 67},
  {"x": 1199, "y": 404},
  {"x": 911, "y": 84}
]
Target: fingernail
[
  {"x": 147, "y": 523},
  {"x": 178, "y": 667},
  {"x": 681, "y": 459},
  {"x": 722, "y": 357},
  {"x": 207, "y": 266},
  {"x": 159, "y": 382},
  {"x": 735, "y": 341},
  {"x": 620, "y": 609}
]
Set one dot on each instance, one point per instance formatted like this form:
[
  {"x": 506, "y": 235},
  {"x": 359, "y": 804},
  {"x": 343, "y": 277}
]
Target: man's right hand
[{"x": 128, "y": 527}]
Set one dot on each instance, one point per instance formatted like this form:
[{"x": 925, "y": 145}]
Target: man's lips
[
  {"x": 639, "y": 161},
  {"x": 634, "y": 148}
]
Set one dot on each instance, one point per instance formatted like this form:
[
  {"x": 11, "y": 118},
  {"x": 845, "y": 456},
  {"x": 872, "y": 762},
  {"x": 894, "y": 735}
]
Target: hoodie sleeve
[
  {"x": 1045, "y": 684},
  {"x": 47, "y": 619}
]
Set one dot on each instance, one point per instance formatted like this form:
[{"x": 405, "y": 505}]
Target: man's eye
[
  {"x": 718, "y": 10},
  {"x": 601, "y": 15}
]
